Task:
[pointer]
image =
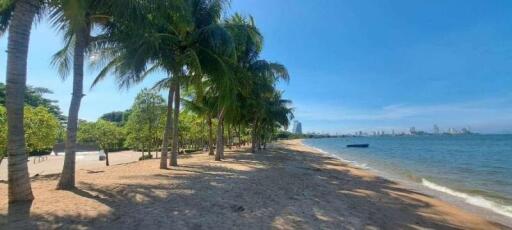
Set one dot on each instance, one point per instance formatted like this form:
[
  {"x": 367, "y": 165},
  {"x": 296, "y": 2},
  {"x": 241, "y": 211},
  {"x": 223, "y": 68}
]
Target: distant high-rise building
[
  {"x": 452, "y": 131},
  {"x": 412, "y": 130},
  {"x": 436, "y": 129},
  {"x": 297, "y": 127},
  {"x": 466, "y": 131}
]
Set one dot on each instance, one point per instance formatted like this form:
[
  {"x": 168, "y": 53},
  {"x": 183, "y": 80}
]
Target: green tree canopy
[
  {"x": 35, "y": 97},
  {"x": 118, "y": 117},
  {"x": 41, "y": 129},
  {"x": 145, "y": 125},
  {"x": 107, "y": 135}
]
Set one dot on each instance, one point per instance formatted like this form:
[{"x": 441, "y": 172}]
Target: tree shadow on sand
[{"x": 273, "y": 190}]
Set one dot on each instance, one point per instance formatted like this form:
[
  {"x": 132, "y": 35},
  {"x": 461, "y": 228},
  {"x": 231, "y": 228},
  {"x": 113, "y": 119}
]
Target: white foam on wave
[
  {"x": 473, "y": 200},
  {"x": 353, "y": 163},
  {"x": 478, "y": 201}
]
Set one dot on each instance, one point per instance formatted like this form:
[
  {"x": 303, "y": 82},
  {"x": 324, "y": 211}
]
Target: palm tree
[
  {"x": 76, "y": 19},
  {"x": 277, "y": 113},
  {"x": 132, "y": 53},
  {"x": 78, "y": 29},
  {"x": 227, "y": 87},
  {"x": 265, "y": 75},
  {"x": 177, "y": 42},
  {"x": 208, "y": 45},
  {"x": 255, "y": 79},
  {"x": 17, "y": 17}
]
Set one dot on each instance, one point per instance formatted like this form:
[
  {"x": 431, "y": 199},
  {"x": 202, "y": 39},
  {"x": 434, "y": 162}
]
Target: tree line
[{"x": 211, "y": 66}]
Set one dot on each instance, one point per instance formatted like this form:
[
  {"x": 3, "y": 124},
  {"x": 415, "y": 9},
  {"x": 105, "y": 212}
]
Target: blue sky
[{"x": 357, "y": 65}]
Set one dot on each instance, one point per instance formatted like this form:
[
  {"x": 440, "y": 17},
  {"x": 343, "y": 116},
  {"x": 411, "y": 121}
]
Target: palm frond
[
  {"x": 6, "y": 10},
  {"x": 63, "y": 59}
]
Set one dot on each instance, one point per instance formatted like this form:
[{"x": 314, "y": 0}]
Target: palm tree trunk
[
  {"x": 210, "y": 136},
  {"x": 230, "y": 141},
  {"x": 19, "y": 188},
  {"x": 220, "y": 137},
  {"x": 175, "y": 133},
  {"x": 258, "y": 142},
  {"x": 168, "y": 129},
  {"x": 239, "y": 135},
  {"x": 254, "y": 138},
  {"x": 67, "y": 178},
  {"x": 223, "y": 139}
]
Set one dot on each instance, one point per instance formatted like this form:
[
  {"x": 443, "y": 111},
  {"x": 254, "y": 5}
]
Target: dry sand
[
  {"x": 288, "y": 186},
  {"x": 52, "y": 164}
]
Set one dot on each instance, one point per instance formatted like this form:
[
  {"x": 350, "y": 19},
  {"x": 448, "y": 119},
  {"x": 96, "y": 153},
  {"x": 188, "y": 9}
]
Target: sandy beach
[
  {"x": 52, "y": 164},
  {"x": 288, "y": 186}
]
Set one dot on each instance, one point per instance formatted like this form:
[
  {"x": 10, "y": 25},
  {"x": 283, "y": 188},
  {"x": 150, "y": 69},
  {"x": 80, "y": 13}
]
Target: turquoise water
[{"x": 475, "y": 168}]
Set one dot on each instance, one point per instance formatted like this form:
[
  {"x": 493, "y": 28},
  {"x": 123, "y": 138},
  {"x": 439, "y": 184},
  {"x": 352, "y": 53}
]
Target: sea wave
[{"x": 471, "y": 199}]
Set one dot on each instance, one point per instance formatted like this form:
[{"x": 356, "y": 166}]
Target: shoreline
[
  {"x": 287, "y": 186},
  {"x": 459, "y": 201}
]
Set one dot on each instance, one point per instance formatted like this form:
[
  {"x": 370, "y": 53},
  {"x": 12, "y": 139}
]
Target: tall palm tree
[
  {"x": 78, "y": 29},
  {"x": 178, "y": 42},
  {"x": 209, "y": 44},
  {"x": 17, "y": 17},
  {"x": 264, "y": 78},
  {"x": 227, "y": 88},
  {"x": 76, "y": 19},
  {"x": 256, "y": 78},
  {"x": 132, "y": 53}
]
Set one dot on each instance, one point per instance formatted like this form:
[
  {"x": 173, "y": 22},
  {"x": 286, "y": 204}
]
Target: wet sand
[{"x": 288, "y": 186}]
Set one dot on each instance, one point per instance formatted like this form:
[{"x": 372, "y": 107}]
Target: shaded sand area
[{"x": 286, "y": 187}]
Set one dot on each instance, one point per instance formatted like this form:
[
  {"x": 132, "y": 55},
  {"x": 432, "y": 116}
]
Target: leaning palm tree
[
  {"x": 76, "y": 19},
  {"x": 17, "y": 17},
  {"x": 227, "y": 88},
  {"x": 72, "y": 19},
  {"x": 264, "y": 78}
]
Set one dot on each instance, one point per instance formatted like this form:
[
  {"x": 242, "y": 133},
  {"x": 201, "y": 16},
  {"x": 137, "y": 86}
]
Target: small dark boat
[{"x": 358, "y": 146}]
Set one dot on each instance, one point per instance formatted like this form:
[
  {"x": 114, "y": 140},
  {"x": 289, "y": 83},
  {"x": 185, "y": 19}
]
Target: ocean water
[{"x": 474, "y": 168}]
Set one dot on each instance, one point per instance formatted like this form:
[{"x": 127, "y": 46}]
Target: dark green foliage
[
  {"x": 35, "y": 97},
  {"x": 282, "y": 134},
  {"x": 118, "y": 117},
  {"x": 144, "y": 128}
]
